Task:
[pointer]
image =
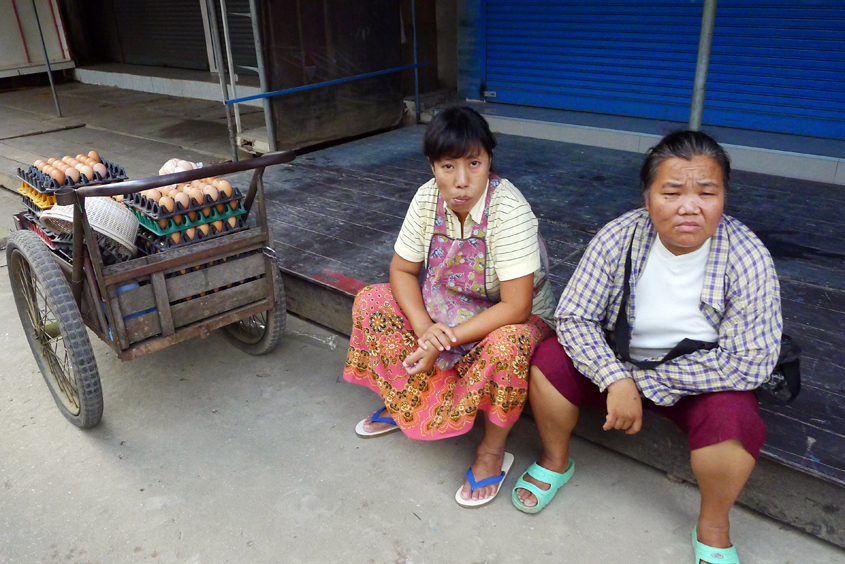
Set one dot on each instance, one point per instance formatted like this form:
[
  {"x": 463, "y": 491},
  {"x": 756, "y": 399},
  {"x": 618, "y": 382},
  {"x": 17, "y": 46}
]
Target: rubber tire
[
  {"x": 274, "y": 326},
  {"x": 25, "y": 247}
]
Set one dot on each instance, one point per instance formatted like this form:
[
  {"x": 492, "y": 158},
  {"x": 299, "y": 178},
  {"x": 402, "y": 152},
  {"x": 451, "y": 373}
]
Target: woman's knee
[{"x": 727, "y": 416}]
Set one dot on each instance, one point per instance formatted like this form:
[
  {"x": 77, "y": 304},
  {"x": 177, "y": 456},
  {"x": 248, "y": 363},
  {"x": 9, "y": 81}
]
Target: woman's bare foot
[
  {"x": 488, "y": 463},
  {"x": 371, "y": 427},
  {"x": 529, "y": 499}
]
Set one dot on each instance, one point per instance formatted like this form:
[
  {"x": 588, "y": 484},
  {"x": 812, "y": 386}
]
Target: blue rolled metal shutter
[
  {"x": 778, "y": 66},
  {"x": 613, "y": 57},
  {"x": 775, "y": 66}
]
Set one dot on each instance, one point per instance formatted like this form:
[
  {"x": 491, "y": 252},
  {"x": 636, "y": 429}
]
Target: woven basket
[{"x": 108, "y": 218}]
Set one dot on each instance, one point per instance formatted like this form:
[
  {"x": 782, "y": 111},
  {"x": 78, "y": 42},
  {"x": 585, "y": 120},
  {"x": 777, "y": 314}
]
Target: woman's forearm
[{"x": 406, "y": 289}]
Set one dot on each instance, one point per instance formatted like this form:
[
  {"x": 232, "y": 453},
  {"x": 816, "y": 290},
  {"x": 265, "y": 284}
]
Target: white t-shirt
[{"x": 668, "y": 295}]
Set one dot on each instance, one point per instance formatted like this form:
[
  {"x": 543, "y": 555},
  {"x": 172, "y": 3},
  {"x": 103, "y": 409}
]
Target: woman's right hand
[
  {"x": 421, "y": 360},
  {"x": 624, "y": 407}
]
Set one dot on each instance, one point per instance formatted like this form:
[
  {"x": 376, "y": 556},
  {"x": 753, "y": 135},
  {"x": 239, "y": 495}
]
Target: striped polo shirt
[{"x": 512, "y": 247}]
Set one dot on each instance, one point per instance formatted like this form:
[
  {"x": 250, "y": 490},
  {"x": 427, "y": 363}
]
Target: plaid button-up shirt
[{"x": 740, "y": 298}]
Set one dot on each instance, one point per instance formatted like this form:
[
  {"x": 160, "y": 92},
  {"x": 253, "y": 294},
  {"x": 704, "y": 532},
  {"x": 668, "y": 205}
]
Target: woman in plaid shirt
[{"x": 701, "y": 330}]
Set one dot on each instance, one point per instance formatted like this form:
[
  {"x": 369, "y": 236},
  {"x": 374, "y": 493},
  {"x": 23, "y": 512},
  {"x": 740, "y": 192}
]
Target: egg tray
[
  {"x": 46, "y": 185},
  {"x": 155, "y": 211},
  {"x": 172, "y": 227},
  {"x": 150, "y": 244},
  {"x": 57, "y": 241},
  {"x": 35, "y": 200}
]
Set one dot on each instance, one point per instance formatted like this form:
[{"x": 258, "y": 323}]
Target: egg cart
[{"x": 229, "y": 281}]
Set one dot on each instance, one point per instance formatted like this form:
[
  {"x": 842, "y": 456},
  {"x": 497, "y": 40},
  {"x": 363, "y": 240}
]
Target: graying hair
[{"x": 685, "y": 145}]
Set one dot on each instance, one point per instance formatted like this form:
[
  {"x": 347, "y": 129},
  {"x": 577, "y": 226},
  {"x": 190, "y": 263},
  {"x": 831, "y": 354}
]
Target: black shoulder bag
[{"x": 784, "y": 383}]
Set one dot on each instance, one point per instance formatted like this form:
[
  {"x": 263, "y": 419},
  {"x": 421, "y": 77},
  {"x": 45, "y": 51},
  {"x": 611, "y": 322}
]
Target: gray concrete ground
[{"x": 208, "y": 455}]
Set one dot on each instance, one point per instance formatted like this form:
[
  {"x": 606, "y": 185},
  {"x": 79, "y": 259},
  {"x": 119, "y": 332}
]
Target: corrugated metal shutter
[
  {"x": 615, "y": 57},
  {"x": 775, "y": 66},
  {"x": 779, "y": 66},
  {"x": 162, "y": 33}
]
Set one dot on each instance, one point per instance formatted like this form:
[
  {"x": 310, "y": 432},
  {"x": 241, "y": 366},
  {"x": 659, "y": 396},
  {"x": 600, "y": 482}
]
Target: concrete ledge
[
  {"x": 171, "y": 86},
  {"x": 767, "y": 161}
]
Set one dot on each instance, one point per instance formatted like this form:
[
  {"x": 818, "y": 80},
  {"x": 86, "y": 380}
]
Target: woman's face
[
  {"x": 462, "y": 180},
  {"x": 685, "y": 202}
]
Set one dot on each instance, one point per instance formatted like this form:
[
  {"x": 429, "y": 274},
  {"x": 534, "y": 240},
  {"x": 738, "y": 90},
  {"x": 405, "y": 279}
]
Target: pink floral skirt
[{"x": 438, "y": 404}]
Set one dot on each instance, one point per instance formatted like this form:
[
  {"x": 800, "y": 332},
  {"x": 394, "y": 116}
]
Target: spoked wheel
[
  {"x": 54, "y": 328},
  {"x": 260, "y": 333}
]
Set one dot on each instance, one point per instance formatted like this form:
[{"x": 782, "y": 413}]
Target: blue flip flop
[
  {"x": 507, "y": 462},
  {"x": 704, "y": 553},
  {"x": 554, "y": 479},
  {"x": 376, "y": 418}
]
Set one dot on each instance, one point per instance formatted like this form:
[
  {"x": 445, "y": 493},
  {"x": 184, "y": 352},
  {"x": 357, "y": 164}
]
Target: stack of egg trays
[
  {"x": 62, "y": 242},
  {"x": 46, "y": 185},
  {"x": 35, "y": 201},
  {"x": 149, "y": 213},
  {"x": 151, "y": 244}
]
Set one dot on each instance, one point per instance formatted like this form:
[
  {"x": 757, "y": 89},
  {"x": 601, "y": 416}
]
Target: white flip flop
[
  {"x": 473, "y": 503},
  {"x": 359, "y": 428}
]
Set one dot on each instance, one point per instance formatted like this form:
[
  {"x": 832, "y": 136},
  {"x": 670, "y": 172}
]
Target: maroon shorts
[{"x": 707, "y": 419}]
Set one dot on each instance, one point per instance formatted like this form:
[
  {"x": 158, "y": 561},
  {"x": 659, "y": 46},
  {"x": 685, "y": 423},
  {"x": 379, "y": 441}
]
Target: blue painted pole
[{"x": 321, "y": 84}]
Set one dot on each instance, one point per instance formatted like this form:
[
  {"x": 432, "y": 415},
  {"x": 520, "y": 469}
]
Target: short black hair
[
  {"x": 456, "y": 132},
  {"x": 684, "y": 144}
]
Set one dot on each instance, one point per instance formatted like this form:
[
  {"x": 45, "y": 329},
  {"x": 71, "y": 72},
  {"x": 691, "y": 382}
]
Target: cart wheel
[
  {"x": 260, "y": 333},
  {"x": 54, "y": 328}
]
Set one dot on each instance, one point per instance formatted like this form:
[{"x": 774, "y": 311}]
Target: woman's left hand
[
  {"x": 439, "y": 336},
  {"x": 421, "y": 360}
]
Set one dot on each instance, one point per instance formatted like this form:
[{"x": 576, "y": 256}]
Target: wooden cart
[{"x": 230, "y": 281}]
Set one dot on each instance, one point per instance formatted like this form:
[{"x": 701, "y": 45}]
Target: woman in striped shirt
[{"x": 461, "y": 342}]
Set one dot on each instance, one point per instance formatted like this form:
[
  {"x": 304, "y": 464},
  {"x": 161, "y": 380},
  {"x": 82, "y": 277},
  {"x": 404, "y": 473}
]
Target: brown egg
[
  {"x": 152, "y": 194},
  {"x": 74, "y": 162},
  {"x": 211, "y": 191},
  {"x": 166, "y": 203},
  {"x": 206, "y": 211},
  {"x": 58, "y": 176},
  {"x": 66, "y": 159},
  {"x": 220, "y": 208},
  {"x": 94, "y": 155},
  {"x": 175, "y": 237},
  {"x": 186, "y": 187},
  {"x": 197, "y": 183},
  {"x": 226, "y": 188},
  {"x": 203, "y": 228},
  {"x": 78, "y": 166},
  {"x": 234, "y": 204},
  {"x": 182, "y": 199},
  {"x": 189, "y": 233},
  {"x": 218, "y": 225},
  {"x": 82, "y": 158},
  {"x": 232, "y": 221},
  {"x": 197, "y": 197},
  {"x": 87, "y": 171},
  {"x": 100, "y": 169},
  {"x": 177, "y": 219},
  {"x": 73, "y": 173},
  {"x": 61, "y": 166},
  {"x": 162, "y": 223},
  {"x": 39, "y": 164},
  {"x": 51, "y": 160},
  {"x": 192, "y": 216},
  {"x": 46, "y": 170}
]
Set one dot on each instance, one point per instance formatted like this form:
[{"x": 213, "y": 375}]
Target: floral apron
[{"x": 455, "y": 286}]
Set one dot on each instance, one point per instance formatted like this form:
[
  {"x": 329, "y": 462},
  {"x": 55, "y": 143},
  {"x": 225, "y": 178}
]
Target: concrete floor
[{"x": 208, "y": 455}]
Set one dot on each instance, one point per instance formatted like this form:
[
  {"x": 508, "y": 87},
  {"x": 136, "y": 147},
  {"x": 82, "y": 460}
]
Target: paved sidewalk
[{"x": 208, "y": 455}]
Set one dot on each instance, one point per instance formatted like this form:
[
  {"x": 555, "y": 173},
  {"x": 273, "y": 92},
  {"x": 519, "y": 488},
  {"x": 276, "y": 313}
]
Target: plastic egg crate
[
  {"x": 204, "y": 212},
  {"x": 34, "y": 200},
  {"x": 54, "y": 240},
  {"x": 151, "y": 243},
  {"x": 46, "y": 185}
]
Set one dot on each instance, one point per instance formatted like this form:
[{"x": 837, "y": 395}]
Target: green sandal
[
  {"x": 554, "y": 480},
  {"x": 704, "y": 553}
]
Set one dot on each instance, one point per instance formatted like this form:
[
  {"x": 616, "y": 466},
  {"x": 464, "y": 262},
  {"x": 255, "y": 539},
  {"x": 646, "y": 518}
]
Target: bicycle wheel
[
  {"x": 260, "y": 333},
  {"x": 54, "y": 329}
]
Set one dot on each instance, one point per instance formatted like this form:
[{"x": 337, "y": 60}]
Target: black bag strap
[{"x": 622, "y": 329}]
